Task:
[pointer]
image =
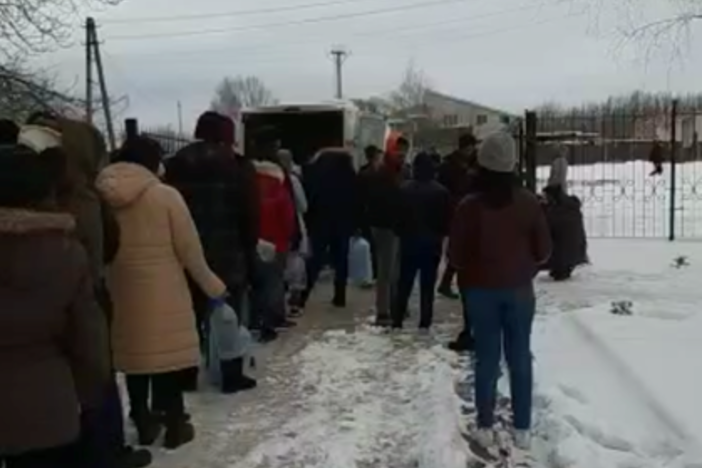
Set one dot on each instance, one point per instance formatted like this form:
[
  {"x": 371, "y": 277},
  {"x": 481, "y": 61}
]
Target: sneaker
[
  {"x": 448, "y": 293},
  {"x": 485, "y": 438},
  {"x": 424, "y": 331},
  {"x": 522, "y": 439}
]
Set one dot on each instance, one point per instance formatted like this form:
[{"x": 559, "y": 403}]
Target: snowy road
[{"x": 611, "y": 391}]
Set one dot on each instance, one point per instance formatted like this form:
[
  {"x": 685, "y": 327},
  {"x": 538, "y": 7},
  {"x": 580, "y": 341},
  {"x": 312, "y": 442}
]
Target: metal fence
[{"x": 610, "y": 171}]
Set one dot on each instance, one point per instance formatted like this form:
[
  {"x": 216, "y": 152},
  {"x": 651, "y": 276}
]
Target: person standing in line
[
  {"x": 76, "y": 152},
  {"x": 154, "y": 329},
  {"x": 383, "y": 207},
  {"x": 54, "y": 356},
  {"x": 374, "y": 159},
  {"x": 331, "y": 185},
  {"x": 455, "y": 173},
  {"x": 499, "y": 237},
  {"x": 219, "y": 188},
  {"x": 425, "y": 223},
  {"x": 276, "y": 230},
  {"x": 296, "y": 276}
]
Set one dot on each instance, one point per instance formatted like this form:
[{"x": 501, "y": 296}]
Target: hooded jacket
[
  {"x": 221, "y": 193},
  {"x": 53, "y": 339},
  {"x": 153, "y": 324},
  {"x": 276, "y": 205},
  {"x": 426, "y": 204},
  {"x": 332, "y": 192}
]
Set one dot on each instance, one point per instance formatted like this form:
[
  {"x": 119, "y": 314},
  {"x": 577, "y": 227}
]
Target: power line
[
  {"x": 369, "y": 34},
  {"x": 258, "y": 59},
  {"x": 318, "y": 19},
  {"x": 228, "y": 14}
]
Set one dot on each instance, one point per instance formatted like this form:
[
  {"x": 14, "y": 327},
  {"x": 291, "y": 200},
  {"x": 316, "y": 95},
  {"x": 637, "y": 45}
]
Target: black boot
[
  {"x": 190, "y": 379},
  {"x": 233, "y": 378},
  {"x": 178, "y": 432},
  {"x": 129, "y": 457},
  {"x": 339, "y": 296},
  {"x": 148, "y": 427},
  {"x": 464, "y": 343},
  {"x": 267, "y": 335}
]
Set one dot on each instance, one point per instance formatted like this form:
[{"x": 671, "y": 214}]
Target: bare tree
[
  {"x": 23, "y": 92},
  {"x": 239, "y": 92},
  {"x": 410, "y": 94},
  {"x": 28, "y": 26}
]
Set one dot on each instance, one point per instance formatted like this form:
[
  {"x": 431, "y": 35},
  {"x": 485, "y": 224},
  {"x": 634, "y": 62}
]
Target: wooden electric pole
[
  {"x": 94, "y": 48},
  {"x": 88, "y": 72},
  {"x": 339, "y": 56}
]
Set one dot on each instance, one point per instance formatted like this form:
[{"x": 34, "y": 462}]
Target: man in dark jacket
[
  {"x": 374, "y": 159},
  {"x": 332, "y": 208},
  {"x": 426, "y": 215},
  {"x": 219, "y": 188},
  {"x": 455, "y": 173},
  {"x": 382, "y": 203}
]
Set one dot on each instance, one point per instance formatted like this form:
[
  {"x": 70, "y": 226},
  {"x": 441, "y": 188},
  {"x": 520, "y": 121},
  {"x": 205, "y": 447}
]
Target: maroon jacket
[{"x": 499, "y": 248}]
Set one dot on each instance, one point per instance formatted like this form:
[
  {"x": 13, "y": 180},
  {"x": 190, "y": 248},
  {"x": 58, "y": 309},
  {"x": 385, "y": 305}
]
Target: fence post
[
  {"x": 673, "y": 164},
  {"x": 530, "y": 150}
]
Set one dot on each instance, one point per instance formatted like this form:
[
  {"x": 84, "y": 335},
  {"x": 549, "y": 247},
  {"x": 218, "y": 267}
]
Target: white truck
[{"x": 305, "y": 129}]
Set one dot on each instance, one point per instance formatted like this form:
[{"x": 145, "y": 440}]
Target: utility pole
[
  {"x": 88, "y": 72},
  {"x": 180, "y": 118},
  {"x": 92, "y": 34},
  {"x": 339, "y": 56}
]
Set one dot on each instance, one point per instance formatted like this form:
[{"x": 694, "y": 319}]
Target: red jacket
[{"x": 277, "y": 208}]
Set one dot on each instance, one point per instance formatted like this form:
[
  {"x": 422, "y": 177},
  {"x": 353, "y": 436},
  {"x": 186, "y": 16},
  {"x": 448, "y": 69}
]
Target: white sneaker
[
  {"x": 522, "y": 439},
  {"x": 485, "y": 438}
]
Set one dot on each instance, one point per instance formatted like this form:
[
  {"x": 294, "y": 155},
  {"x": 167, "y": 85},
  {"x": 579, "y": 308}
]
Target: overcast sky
[{"x": 509, "y": 54}]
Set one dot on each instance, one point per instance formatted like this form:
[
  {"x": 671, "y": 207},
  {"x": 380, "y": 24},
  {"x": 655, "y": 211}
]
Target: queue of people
[{"x": 131, "y": 263}]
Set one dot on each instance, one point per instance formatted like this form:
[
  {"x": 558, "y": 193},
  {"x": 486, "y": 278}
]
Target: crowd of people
[{"x": 132, "y": 262}]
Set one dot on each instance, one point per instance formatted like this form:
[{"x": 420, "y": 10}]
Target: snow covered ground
[
  {"x": 612, "y": 391},
  {"x": 617, "y": 391}
]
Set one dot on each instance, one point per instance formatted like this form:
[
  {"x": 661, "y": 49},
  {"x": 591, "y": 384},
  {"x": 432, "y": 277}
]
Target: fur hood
[
  {"x": 122, "y": 184},
  {"x": 269, "y": 169},
  {"x": 22, "y": 222}
]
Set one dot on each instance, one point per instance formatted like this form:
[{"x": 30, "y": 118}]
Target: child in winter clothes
[
  {"x": 295, "y": 271},
  {"x": 154, "y": 334},
  {"x": 277, "y": 227}
]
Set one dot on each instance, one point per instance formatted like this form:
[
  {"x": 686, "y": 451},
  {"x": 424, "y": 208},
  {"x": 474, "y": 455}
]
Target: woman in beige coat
[{"x": 153, "y": 331}]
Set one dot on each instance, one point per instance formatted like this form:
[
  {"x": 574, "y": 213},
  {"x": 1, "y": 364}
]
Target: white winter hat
[{"x": 498, "y": 152}]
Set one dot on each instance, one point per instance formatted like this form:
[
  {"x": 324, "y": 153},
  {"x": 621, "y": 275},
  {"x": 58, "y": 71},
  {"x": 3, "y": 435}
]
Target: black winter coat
[
  {"x": 219, "y": 188},
  {"x": 426, "y": 209},
  {"x": 565, "y": 220},
  {"x": 331, "y": 188},
  {"x": 382, "y": 204},
  {"x": 456, "y": 177}
]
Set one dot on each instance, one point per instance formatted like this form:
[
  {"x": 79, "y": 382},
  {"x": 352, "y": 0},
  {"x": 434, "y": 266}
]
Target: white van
[{"x": 305, "y": 129}]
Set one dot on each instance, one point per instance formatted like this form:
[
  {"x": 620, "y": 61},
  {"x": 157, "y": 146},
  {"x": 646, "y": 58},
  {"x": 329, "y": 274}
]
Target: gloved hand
[{"x": 218, "y": 301}]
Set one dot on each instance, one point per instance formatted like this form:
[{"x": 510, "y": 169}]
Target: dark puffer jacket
[
  {"x": 382, "y": 199},
  {"x": 567, "y": 227},
  {"x": 220, "y": 191},
  {"x": 53, "y": 339}
]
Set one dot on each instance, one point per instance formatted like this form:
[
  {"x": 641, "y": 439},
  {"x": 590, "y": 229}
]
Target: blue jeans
[{"x": 502, "y": 318}]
